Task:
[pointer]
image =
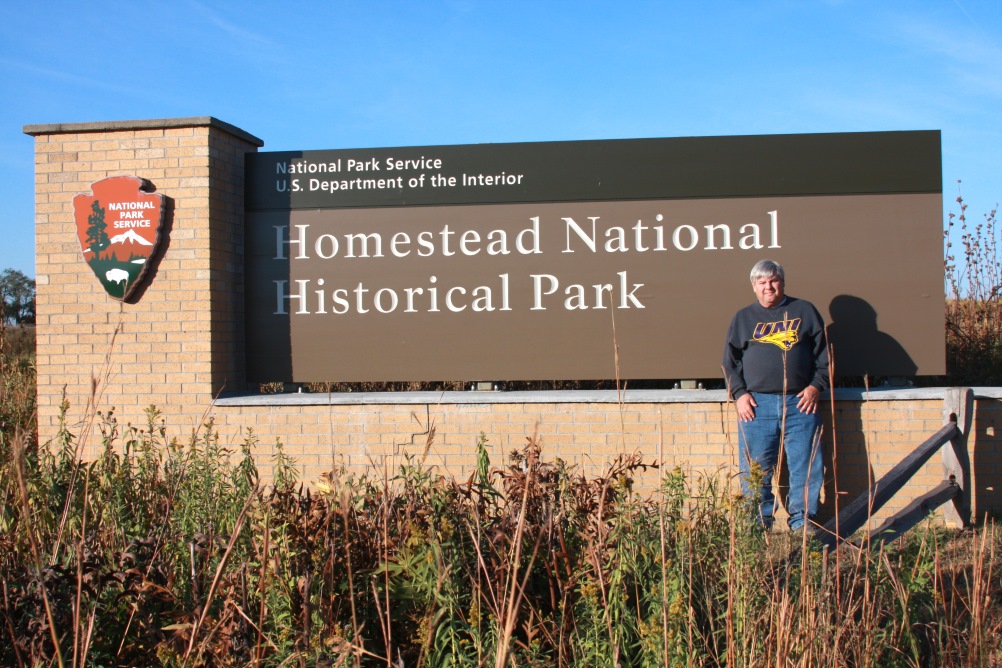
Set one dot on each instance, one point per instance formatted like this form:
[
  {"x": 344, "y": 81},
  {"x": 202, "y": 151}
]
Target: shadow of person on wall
[
  {"x": 859, "y": 350},
  {"x": 859, "y": 347}
]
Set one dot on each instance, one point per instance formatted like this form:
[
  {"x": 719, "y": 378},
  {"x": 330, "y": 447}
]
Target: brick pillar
[{"x": 182, "y": 341}]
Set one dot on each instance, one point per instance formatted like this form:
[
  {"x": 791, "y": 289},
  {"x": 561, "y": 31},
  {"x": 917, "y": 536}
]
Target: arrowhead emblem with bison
[{"x": 119, "y": 230}]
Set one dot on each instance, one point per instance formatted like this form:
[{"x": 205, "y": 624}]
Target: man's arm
[
  {"x": 820, "y": 381},
  {"x": 734, "y": 376}
]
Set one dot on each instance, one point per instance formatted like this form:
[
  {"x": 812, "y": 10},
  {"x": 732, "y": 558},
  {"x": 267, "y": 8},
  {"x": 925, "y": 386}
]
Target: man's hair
[{"x": 767, "y": 269}]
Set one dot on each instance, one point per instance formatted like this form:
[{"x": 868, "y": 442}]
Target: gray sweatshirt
[{"x": 758, "y": 340}]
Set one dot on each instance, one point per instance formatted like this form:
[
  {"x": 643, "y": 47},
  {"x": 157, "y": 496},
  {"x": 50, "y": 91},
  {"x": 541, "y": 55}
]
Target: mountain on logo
[
  {"x": 127, "y": 245},
  {"x": 130, "y": 237}
]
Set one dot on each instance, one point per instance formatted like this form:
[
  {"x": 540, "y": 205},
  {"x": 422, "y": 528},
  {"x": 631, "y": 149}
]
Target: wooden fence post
[{"x": 959, "y": 406}]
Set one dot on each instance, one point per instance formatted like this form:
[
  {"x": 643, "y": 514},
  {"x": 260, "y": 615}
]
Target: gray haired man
[{"x": 776, "y": 364}]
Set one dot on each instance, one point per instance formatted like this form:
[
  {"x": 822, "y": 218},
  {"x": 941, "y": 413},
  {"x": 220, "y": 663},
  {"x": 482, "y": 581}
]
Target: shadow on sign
[{"x": 858, "y": 345}]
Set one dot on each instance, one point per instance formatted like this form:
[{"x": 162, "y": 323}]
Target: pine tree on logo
[{"x": 97, "y": 238}]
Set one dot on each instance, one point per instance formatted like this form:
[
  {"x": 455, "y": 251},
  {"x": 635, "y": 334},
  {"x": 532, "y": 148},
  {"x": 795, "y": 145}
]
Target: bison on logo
[{"x": 119, "y": 231}]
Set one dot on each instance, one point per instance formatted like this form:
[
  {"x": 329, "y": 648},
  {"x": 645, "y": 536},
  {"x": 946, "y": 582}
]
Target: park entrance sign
[{"x": 587, "y": 260}]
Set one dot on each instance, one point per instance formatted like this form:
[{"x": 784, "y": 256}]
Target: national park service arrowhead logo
[{"x": 119, "y": 231}]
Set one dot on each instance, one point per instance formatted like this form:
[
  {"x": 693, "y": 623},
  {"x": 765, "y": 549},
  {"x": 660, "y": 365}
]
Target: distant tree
[
  {"x": 97, "y": 236},
  {"x": 17, "y": 297}
]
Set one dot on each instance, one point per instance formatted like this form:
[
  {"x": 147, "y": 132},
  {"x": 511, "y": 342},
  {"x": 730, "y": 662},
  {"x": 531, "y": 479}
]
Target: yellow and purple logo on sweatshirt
[{"x": 782, "y": 333}]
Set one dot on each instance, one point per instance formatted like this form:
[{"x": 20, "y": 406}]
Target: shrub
[
  {"x": 974, "y": 300},
  {"x": 17, "y": 382}
]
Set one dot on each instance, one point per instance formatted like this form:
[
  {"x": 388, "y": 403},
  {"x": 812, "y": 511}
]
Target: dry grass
[{"x": 162, "y": 552}]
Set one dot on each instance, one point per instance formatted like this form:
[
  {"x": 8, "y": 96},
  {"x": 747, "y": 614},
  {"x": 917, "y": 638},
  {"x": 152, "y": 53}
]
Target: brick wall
[
  {"x": 182, "y": 342},
  {"x": 868, "y": 434}
]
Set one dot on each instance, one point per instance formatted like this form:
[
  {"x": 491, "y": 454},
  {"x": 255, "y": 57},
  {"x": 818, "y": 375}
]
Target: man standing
[{"x": 776, "y": 363}]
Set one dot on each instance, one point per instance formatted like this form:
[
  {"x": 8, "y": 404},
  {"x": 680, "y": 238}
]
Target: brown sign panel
[
  {"x": 530, "y": 287},
  {"x": 119, "y": 229}
]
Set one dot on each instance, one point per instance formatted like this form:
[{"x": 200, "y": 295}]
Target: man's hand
[
  {"x": 746, "y": 407},
  {"x": 808, "y": 400}
]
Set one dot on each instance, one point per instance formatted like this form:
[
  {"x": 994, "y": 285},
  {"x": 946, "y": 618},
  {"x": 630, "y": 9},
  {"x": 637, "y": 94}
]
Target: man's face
[{"x": 768, "y": 290}]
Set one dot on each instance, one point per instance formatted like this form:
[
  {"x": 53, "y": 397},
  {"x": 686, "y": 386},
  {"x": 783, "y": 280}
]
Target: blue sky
[{"x": 336, "y": 74}]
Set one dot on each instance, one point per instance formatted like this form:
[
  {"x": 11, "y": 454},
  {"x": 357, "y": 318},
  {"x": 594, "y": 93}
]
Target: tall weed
[{"x": 974, "y": 299}]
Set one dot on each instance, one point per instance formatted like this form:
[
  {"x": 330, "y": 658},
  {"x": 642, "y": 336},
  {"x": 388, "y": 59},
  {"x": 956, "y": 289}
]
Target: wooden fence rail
[{"x": 952, "y": 440}]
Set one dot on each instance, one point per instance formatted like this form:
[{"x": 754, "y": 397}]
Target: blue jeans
[{"x": 759, "y": 441}]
